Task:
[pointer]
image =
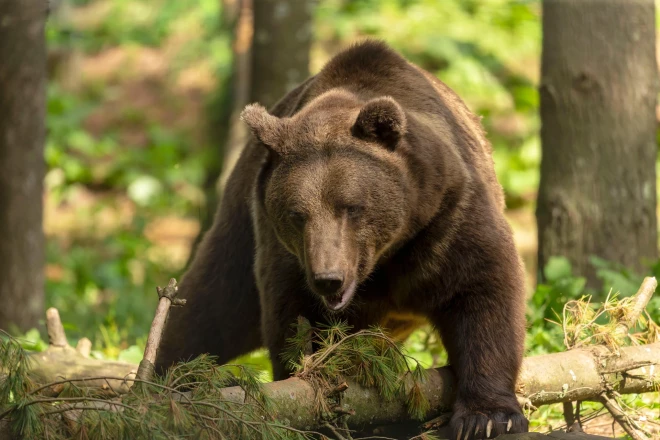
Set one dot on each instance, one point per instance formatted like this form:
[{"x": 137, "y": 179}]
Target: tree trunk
[
  {"x": 597, "y": 195},
  {"x": 242, "y": 72},
  {"x": 282, "y": 39},
  {"x": 22, "y": 112},
  {"x": 271, "y": 57},
  {"x": 271, "y": 44}
]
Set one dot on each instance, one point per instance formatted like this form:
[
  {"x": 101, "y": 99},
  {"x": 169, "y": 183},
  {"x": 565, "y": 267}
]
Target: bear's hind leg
[{"x": 222, "y": 314}]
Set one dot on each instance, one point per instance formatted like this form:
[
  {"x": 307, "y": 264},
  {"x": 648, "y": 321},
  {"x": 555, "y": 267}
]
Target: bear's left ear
[
  {"x": 381, "y": 120},
  {"x": 265, "y": 127}
]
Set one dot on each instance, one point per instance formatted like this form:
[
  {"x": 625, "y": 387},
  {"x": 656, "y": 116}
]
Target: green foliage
[
  {"x": 486, "y": 51},
  {"x": 108, "y": 23},
  {"x": 546, "y": 306},
  {"x": 14, "y": 364}
]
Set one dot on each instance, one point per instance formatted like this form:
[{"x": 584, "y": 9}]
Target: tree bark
[
  {"x": 599, "y": 82},
  {"x": 22, "y": 133},
  {"x": 241, "y": 75},
  {"x": 282, "y": 39},
  {"x": 271, "y": 57},
  {"x": 271, "y": 44}
]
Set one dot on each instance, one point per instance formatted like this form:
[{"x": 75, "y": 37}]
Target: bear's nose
[{"x": 328, "y": 283}]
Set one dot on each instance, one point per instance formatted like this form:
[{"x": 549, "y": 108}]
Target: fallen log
[{"x": 580, "y": 374}]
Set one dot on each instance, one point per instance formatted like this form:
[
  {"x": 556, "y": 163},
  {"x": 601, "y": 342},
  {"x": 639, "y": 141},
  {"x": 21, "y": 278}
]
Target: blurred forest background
[{"x": 142, "y": 99}]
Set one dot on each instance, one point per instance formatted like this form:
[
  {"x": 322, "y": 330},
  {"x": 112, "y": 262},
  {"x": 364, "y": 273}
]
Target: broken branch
[
  {"x": 639, "y": 302},
  {"x": 56, "y": 335},
  {"x": 609, "y": 402},
  {"x": 167, "y": 299}
]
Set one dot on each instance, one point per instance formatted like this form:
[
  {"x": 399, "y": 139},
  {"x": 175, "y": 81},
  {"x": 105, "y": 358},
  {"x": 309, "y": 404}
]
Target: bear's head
[{"x": 337, "y": 189}]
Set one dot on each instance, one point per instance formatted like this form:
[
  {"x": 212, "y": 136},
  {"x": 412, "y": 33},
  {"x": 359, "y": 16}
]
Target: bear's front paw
[{"x": 486, "y": 423}]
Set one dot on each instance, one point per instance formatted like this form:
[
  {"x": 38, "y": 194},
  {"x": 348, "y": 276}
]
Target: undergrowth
[{"x": 184, "y": 403}]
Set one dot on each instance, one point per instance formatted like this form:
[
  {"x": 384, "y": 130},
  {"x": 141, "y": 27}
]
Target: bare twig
[
  {"x": 167, "y": 298},
  {"x": 438, "y": 422},
  {"x": 56, "y": 335},
  {"x": 342, "y": 411},
  {"x": 334, "y": 431},
  {"x": 338, "y": 389},
  {"x": 639, "y": 302},
  {"x": 576, "y": 426},
  {"x": 628, "y": 424},
  {"x": 623, "y": 365}
]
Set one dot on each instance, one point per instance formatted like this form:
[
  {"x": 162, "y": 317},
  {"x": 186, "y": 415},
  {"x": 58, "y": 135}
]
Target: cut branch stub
[
  {"x": 56, "y": 335},
  {"x": 84, "y": 347}
]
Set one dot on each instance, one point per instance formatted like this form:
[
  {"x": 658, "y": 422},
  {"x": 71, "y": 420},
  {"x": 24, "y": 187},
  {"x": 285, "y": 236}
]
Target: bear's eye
[
  {"x": 297, "y": 218},
  {"x": 354, "y": 211}
]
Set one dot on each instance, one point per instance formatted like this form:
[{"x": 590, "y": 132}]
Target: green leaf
[
  {"x": 557, "y": 268},
  {"x": 132, "y": 354}
]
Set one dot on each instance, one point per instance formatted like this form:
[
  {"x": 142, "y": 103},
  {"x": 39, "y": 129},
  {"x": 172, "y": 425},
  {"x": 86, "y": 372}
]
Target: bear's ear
[
  {"x": 381, "y": 120},
  {"x": 265, "y": 127}
]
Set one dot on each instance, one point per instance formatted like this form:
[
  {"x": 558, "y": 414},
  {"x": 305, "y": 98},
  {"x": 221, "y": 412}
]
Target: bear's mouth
[{"x": 341, "y": 299}]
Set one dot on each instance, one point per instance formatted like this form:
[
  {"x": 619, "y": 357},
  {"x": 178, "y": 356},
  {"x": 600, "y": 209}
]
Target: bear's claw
[{"x": 485, "y": 424}]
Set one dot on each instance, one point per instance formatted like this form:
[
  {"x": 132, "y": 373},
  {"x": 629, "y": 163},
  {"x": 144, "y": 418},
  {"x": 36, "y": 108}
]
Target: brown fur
[{"x": 375, "y": 173}]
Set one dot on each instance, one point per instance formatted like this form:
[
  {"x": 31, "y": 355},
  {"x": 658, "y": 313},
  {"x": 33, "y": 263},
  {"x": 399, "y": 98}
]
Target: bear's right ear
[
  {"x": 381, "y": 120},
  {"x": 265, "y": 127}
]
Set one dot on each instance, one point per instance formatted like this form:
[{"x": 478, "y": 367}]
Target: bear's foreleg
[
  {"x": 483, "y": 331},
  {"x": 283, "y": 297},
  {"x": 279, "y": 316}
]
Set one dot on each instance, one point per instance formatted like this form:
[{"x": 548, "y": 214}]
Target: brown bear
[{"x": 368, "y": 194}]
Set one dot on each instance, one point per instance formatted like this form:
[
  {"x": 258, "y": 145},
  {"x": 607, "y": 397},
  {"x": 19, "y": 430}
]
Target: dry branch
[
  {"x": 58, "y": 363},
  {"x": 167, "y": 299},
  {"x": 56, "y": 335},
  {"x": 610, "y": 403},
  {"x": 639, "y": 302},
  {"x": 84, "y": 347},
  {"x": 553, "y": 378}
]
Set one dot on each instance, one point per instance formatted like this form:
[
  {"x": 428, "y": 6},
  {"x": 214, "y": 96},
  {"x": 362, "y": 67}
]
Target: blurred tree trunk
[
  {"x": 271, "y": 45},
  {"x": 271, "y": 57},
  {"x": 22, "y": 133},
  {"x": 599, "y": 83},
  {"x": 236, "y": 135}
]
